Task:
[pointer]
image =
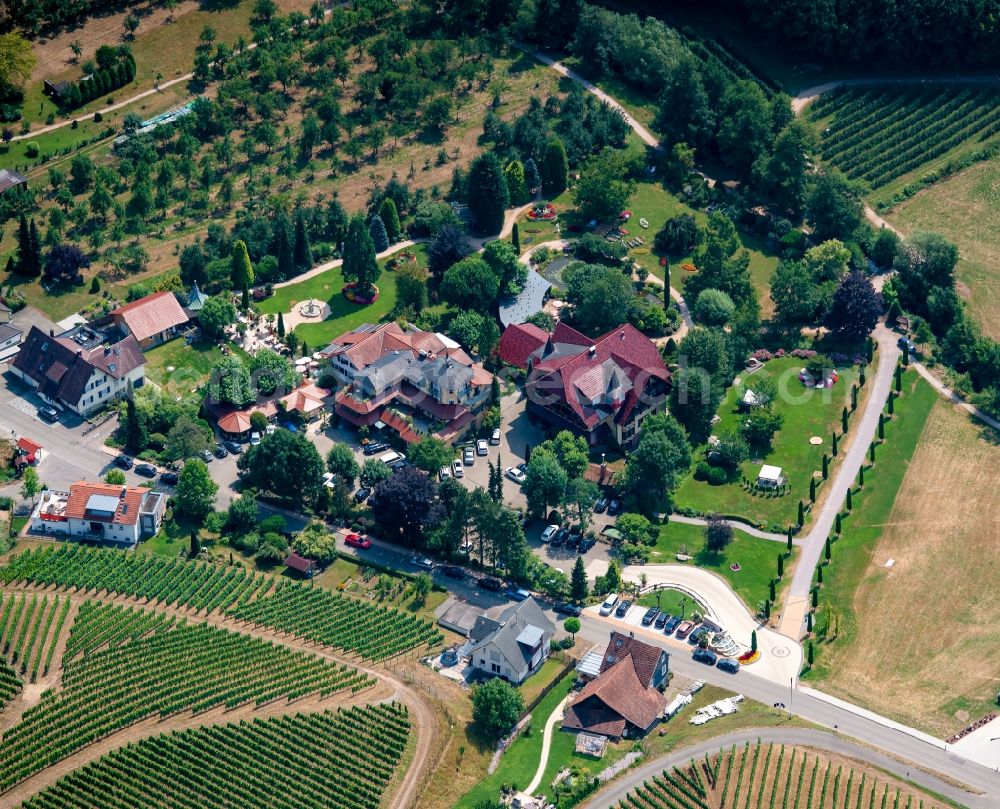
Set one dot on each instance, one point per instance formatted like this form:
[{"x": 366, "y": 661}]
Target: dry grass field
[
  {"x": 928, "y": 636},
  {"x": 759, "y": 776},
  {"x": 966, "y": 209}
]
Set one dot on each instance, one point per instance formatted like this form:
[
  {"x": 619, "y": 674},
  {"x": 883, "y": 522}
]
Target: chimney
[
  {"x": 107, "y": 350},
  {"x": 124, "y": 492},
  {"x": 52, "y": 332},
  {"x": 592, "y": 352}
]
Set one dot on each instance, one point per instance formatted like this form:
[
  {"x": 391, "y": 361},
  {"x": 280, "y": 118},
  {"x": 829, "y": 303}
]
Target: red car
[{"x": 358, "y": 541}]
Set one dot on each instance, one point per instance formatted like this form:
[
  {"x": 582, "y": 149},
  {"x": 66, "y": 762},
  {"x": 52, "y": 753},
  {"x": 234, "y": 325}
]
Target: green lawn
[
  {"x": 807, "y": 413},
  {"x": 519, "y": 763},
  {"x": 181, "y": 367},
  {"x": 872, "y": 508},
  {"x": 757, "y": 559},
  {"x": 344, "y": 315}
]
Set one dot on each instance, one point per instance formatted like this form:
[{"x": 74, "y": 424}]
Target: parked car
[
  {"x": 661, "y": 620},
  {"x": 362, "y": 494},
  {"x": 221, "y": 451},
  {"x": 548, "y": 532},
  {"x": 565, "y": 608},
  {"x": 146, "y": 470},
  {"x": 650, "y": 616},
  {"x": 728, "y": 664},
  {"x": 623, "y": 609},
  {"x": 559, "y": 537},
  {"x": 444, "y": 473},
  {"x": 453, "y": 571},
  {"x": 672, "y": 622},
  {"x": 489, "y": 583},
  {"x": 684, "y": 628},
  {"x": 234, "y": 447},
  {"x": 206, "y": 455},
  {"x": 169, "y": 478},
  {"x": 270, "y": 428},
  {"x": 422, "y": 562},
  {"x": 468, "y": 457},
  {"x": 908, "y": 344},
  {"x": 706, "y": 656},
  {"x": 614, "y": 508},
  {"x": 601, "y": 505},
  {"x": 124, "y": 462},
  {"x": 697, "y": 635},
  {"x": 517, "y": 593},
  {"x": 609, "y": 604},
  {"x": 357, "y": 541},
  {"x": 573, "y": 541},
  {"x": 49, "y": 414},
  {"x": 456, "y": 469},
  {"x": 254, "y": 439},
  {"x": 516, "y": 475},
  {"x": 466, "y": 547},
  {"x": 374, "y": 447},
  {"x": 482, "y": 448},
  {"x": 586, "y": 544},
  {"x": 495, "y": 437}
]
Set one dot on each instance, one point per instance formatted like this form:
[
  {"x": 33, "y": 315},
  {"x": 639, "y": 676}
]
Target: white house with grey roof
[{"x": 515, "y": 645}]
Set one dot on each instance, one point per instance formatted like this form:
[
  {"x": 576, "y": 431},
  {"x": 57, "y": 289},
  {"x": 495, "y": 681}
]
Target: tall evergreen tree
[
  {"x": 241, "y": 271},
  {"x": 302, "y": 253},
  {"x": 281, "y": 325},
  {"x": 360, "y": 265},
  {"x": 488, "y": 195},
  {"x": 514, "y": 172},
  {"x": 390, "y": 218},
  {"x": 532, "y": 179},
  {"x": 578, "y": 581},
  {"x": 515, "y": 238},
  {"x": 555, "y": 169},
  {"x": 380, "y": 238},
  {"x": 281, "y": 246}
]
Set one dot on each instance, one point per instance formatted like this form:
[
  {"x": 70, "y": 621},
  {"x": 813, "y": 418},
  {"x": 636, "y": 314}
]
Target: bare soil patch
[{"x": 929, "y": 638}]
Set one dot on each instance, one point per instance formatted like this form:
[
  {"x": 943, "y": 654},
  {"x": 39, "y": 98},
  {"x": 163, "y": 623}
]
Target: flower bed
[
  {"x": 688, "y": 267},
  {"x": 350, "y": 292},
  {"x": 543, "y": 213},
  {"x": 400, "y": 259},
  {"x": 747, "y": 658}
]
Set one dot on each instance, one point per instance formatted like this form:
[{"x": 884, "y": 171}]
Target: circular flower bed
[
  {"x": 400, "y": 259},
  {"x": 350, "y": 292},
  {"x": 735, "y": 567},
  {"x": 544, "y": 213},
  {"x": 747, "y": 658}
]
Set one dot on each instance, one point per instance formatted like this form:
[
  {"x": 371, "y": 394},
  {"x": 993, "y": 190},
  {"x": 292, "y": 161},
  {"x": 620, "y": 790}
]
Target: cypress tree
[
  {"x": 843, "y": 421},
  {"x": 360, "y": 266},
  {"x": 789, "y": 542},
  {"x": 810, "y": 653},
  {"x": 515, "y": 238},
  {"x": 854, "y": 398},
  {"x": 861, "y": 476},
  {"x": 390, "y": 218},
  {"x": 771, "y": 592},
  {"x": 495, "y": 390},
  {"x": 802, "y": 515},
  {"x": 809, "y": 622},
  {"x": 861, "y": 376},
  {"x": 781, "y": 565},
  {"x": 881, "y": 426},
  {"x": 753, "y": 641},
  {"x": 819, "y": 575},
  {"x": 899, "y": 378},
  {"x": 812, "y": 490},
  {"x": 871, "y": 453},
  {"x": 281, "y": 325},
  {"x": 815, "y": 597},
  {"x": 302, "y": 254},
  {"x": 245, "y": 300},
  {"x": 827, "y": 549},
  {"x": 281, "y": 246},
  {"x": 836, "y": 523},
  {"x": 555, "y": 169},
  {"x": 514, "y": 172},
  {"x": 850, "y": 505},
  {"x": 906, "y": 354},
  {"x": 532, "y": 179},
  {"x": 377, "y": 230},
  {"x": 195, "y": 544},
  {"x": 890, "y": 405},
  {"x": 241, "y": 271},
  {"x": 826, "y": 466},
  {"x": 834, "y": 444},
  {"x": 767, "y": 610}
]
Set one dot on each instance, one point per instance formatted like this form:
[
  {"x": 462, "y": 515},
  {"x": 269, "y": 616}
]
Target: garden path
[{"x": 550, "y": 723}]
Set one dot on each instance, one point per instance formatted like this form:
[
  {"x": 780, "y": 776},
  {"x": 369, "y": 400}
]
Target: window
[{"x": 495, "y": 668}]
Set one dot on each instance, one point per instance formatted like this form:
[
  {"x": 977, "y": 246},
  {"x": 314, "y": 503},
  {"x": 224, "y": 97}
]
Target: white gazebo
[{"x": 770, "y": 477}]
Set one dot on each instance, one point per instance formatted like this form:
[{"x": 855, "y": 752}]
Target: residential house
[
  {"x": 151, "y": 320},
  {"x": 308, "y": 400},
  {"x": 601, "y": 389},
  {"x": 514, "y": 645},
  {"x": 401, "y": 377},
  {"x": 10, "y": 340},
  {"x": 79, "y": 370},
  {"x": 624, "y": 699},
  {"x": 100, "y": 511}
]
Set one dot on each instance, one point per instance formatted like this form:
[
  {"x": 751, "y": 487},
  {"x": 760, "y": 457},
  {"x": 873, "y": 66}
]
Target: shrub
[
  {"x": 702, "y": 470},
  {"x": 717, "y": 475},
  {"x": 31, "y": 149}
]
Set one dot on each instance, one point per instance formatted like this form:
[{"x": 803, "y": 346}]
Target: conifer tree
[
  {"x": 379, "y": 234},
  {"x": 302, "y": 253},
  {"x": 241, "y": 271},
  {"x": 390, "y": 218}
]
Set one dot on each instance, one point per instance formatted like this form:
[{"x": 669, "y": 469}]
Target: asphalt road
[{"x": 934, "y": 757}]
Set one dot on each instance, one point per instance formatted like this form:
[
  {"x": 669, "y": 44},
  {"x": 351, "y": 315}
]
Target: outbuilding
[{"x": 770, "y": 477}]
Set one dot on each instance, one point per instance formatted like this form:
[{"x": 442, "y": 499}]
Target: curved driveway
[{"x": 818, "y": 739}]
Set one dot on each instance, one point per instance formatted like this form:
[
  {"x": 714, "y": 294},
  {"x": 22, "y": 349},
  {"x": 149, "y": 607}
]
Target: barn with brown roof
[{"x": 151, "y": 320}]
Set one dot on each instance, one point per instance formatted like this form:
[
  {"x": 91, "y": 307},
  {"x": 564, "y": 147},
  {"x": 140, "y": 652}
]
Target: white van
[
  {"x": 609, "y": 604},
  {"x": 390, "y": 457}
]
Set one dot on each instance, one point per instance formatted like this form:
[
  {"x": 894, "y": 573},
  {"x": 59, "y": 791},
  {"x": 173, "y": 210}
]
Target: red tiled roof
[
  {"x": 238, "y": 421},
  {"x": 28, "y": 445},
  {"x": 394, "y": 422},
  {"x": 299, "y": 563},
  {"x": 644, "y": 656},
  {"x": 127, "y": 512},
  {"x": 151, "y": 315},
  {"x": 306, "y": 398},
  {"x": 616, "y": 691},
  {"x": 518, "y": 342}
]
